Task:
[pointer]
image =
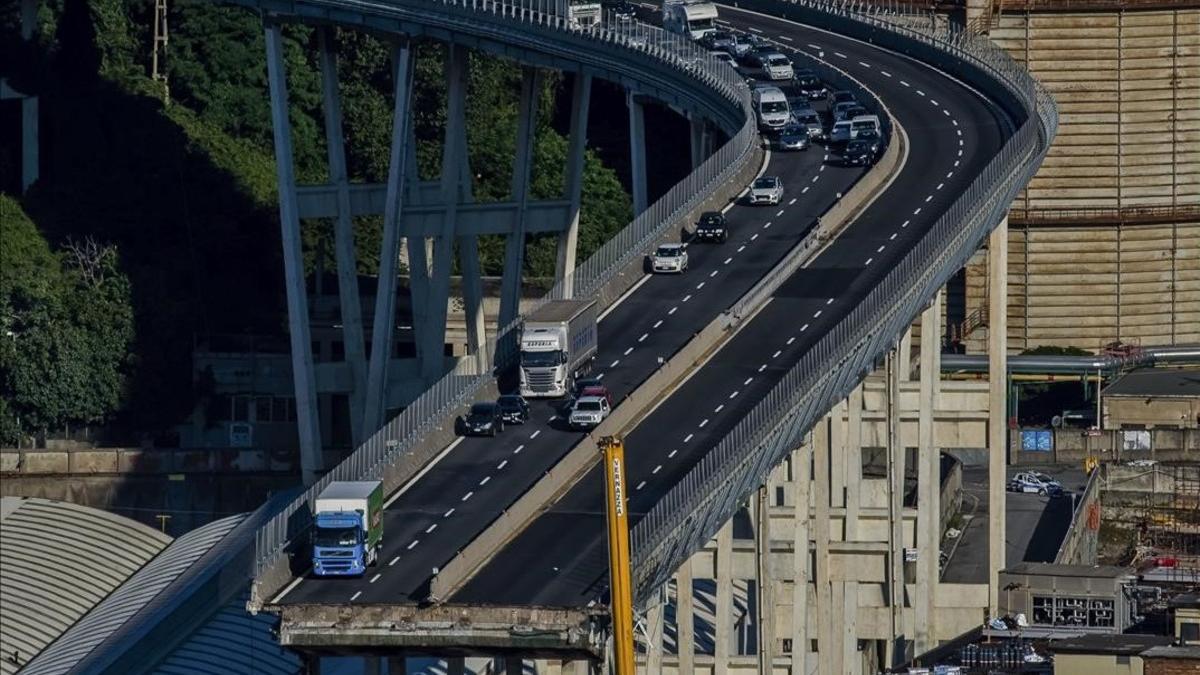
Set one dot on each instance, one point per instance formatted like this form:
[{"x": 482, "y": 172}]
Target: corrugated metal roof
[
  {"x": 57, "y": 561},
  {"x": 232, "y": 643}
]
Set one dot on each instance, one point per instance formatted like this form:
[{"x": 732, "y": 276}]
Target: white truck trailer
[{"x": 558, "y": 344}]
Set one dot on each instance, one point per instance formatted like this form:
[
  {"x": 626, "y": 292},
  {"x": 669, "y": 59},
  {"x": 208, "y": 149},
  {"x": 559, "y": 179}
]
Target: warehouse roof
[
  {"x": 57, "y": 561},
  {"x": 1173, "y": 382}
]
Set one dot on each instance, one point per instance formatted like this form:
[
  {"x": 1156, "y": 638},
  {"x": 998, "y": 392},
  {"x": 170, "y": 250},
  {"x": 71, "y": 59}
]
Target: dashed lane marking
[
  {"x": 954, "y": 122},
  {"x": 839, "y": 55},
  {"x": 892, "y": 237},
  {"x": 394, "y": 561},
  {"x": 920, "y": 93},
  {"x": 503, "y": 463},
  {"x": 933, "y": 101},
  {"x": 790, "y": 340},
  {"x": 804, "y": 190},
  {"x": 534, "y": 434},
  {"x": 413, "y": 544},
  {"x": 784, "y": 37},
  {"x": 864, "y": 64},
  {"x": 673, "y": 310},
  {"x": 687, "y": 438},
  {"x": 375, "y": 578},
  {"x": 940, "y": 185},
  {"x": 905, "y": 223},
  {"x": 814, "y": 46},
  {"x": 917, "y": 211},
  {"x": 740, "y": 249},
  {"x": 431, "y": 528},
  {"x": 628, "y": 351},
  {"x": 928, "y": 199},
  {"x": 719, "y": 408},
  {"x": 614, "y": 363},
  {"x": 793, "y": 201},
  {"x": 640, "y": 486},
  {"x": 643, "y": 338},
  {"x": 762, "y": 367},
  {"x": 701, "y": 425},
  {"x": 714, "y": 273},
  {"x": 672, "y": 454},
  {"x": 780, "y": 213},
  {"x": 467, "y": 496},
  {"x": 817, "y": 315},
  {"x": 748, "y": 381},
  {"x": 802, "y": 329},
  {"x": 776, "y": 354},
  {"x": 700, "y": 285},
  {"x": 880, "y": 249},
  {"x": 868, "y": 262},
  {"x": 885, "y": 73},
  {"x": 657, "y": 323},
  {"x": 355, "y": 596},
  {"x": 904, "y": 83},
  {"x": 687, "y": 297},
  {"x": 484, "y": 481},
  {"x": 656, "y": 469},
  {"x": 727, "y": 261},
  {"x": 829, "y": 301},
  {"x": 448, "y": 513}
]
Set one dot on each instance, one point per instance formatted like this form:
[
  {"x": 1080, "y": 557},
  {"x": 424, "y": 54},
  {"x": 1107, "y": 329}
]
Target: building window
[
  {"x": 1122, "y": 659},
  {"x": 1189, "y": 631},
  {"x": 262, "y": 408},
  {"x": 241, "y": 409}
]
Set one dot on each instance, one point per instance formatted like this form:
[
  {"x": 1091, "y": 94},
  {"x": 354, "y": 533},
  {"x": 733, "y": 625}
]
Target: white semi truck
[
  {"x": 693, "y": 19},
  {"x": 558, "y": 344}
]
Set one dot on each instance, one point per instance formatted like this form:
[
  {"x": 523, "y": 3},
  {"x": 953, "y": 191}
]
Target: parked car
[
  {"x": 793, "y": 137},
  {"x": 1035, "y": 482},
  {"x": 712, "y": 227},
  {"x": 589, "y": 412},
  {"x": 513, "y": 409},
  {"x": 766, "y": 190},
  {"x": 484, "y": 419},
  {"x": 670, "y": 258}
]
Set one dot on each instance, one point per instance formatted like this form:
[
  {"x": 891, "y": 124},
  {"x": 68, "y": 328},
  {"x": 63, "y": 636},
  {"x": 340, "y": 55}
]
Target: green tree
[{"x": 67, "y": 325}]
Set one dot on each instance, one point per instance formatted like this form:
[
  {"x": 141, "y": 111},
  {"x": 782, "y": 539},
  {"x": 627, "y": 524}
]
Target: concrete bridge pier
[
  {"x": 637, "y": 152},
  {"x": 30, "y": 158}
]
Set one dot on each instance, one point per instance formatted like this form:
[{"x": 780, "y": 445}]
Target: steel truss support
[{"x": 293, "y": 263}]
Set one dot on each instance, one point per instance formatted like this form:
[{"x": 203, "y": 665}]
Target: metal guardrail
[
  {"x": 632, "y": 40},
  {"x": 693, "y": 511}
]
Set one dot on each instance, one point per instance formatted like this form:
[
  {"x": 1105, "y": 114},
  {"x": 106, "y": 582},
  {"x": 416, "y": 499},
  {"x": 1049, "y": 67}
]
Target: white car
[
  {"x": 588, "y": 412},
  {"x": 1035, "y": 482},
  {"x": 670, "y": 258},
  {"x": 766, "y": 190},
  {"x": 776, "y": 66}
]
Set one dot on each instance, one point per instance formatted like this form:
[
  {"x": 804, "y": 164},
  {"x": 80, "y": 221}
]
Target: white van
[
  {"x": 771, "y": 104},
  {"x": 862, "y": 122},
  {"x": 690, "y": 18}
]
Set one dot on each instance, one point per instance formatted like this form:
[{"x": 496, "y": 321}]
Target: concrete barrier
[{"x": 572, "y": 468}]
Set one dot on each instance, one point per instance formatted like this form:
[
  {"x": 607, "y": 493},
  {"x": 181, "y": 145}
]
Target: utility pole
[
  {"x": 620, "y": 580},
  {"x": 159, "y": 47}
]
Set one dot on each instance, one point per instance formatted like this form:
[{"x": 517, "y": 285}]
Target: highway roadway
[
  {"x": 560, "y": 560},
  {"x": 427, "y": 522}
]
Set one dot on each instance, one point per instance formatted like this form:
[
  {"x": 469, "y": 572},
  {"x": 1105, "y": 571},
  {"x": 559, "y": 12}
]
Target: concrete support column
[
  {"x": 824, "y": 614},
  {"x": 837, "y": 455},
  {"x": 685, "y": 640},
  {"x": 30, "y": 142},
  {"x": 929, "y": 511},
  {"x": 513, "y": 666},
  {"x": 766, "y": 581},
  {"x": 701, "y": 139},
  {"x": 851, "y": 660},
  {"x": 383, "y": 322},
  {"x": 293, "y": 264},
  {"x": 568, "y": 241},
  {"x": 853, "y": 461},
  {"x": 514, "y": 249},
  {"x": 397, "y": 665},
  {"x": 433, "y": 332},
  {"x": 724, "y": 602},
  {"x": 637, "y": 153},
  {"x": 800, "y": 571},
  {"x": 997, "y": 265},
  {"x": 895, "y": 472},
  {"x": 347, "y": 269},
  {"x": 654, "y": 636},
  {"x": 905, "y": 351}
]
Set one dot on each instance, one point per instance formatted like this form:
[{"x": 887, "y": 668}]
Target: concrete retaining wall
[
  {"x": 1072, "y": 446},
  {"x": 1081, "y": 545}
]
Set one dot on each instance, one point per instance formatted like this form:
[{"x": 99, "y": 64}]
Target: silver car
[
  {"x": 670, "y": 258},
  {"x": 766, "y": 190},
  {"x": 588, "y": 412}
]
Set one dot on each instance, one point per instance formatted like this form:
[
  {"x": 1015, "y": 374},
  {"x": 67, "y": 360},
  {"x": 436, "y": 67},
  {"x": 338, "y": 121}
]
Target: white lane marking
[
  {"x": 644, "y": 336},
  {"x": 822, "y": 168},
  {"x": 700, "y": 285},
  {"x": 754, "y": 236},
  {"x": 818, "y": 314},
  {"x": 431, "y": 528},
  {"x": 755, "y": 29},
  {"x": 933, "y": 101},
  {"x": 448, "y": 513},
  {"x": 552, "y": 418},
  {"x": 394, "y": 561},
  {"x": 829, "y": 301},
  {"x": 627, "y": 351},
  {"x": 748, "y": 381},
  {"x": 948, "y": 174},
  {"x": 727, "y": 261},
  {"x": 740, "y": 249},
  {"x": 945, "y": 112},
  {"x": 375, "y": 578},
  {"x": 767, "y": 226},
  {"x": 960, "y": 142},
  {"x": 885, "y": 73},
  {"x": 868, "y": 262},
  {"x": 780, "y": 213},
  {"x": 920, "y": 93},
  {"x": 825, "y": 157},
  {"x": 656, "y": 469},
  {"x": 802, "y": 329},
  {"x": 413, "y": 481},
  {"x": 955, "y": 163},
  {"x": 534, "y": 434},
  {"x": 904, "y": 83},
  {"x": 784, "y": 37},
  {"x": 687, "y": 297},
  {"x": 687, "y": 438},
  {"x": 905, "y": 223},
  {"x": 414, "y": 543},
  {"x": 958, "y": 131},
  {"x": 657, "y": 323},
  {"x": 762, "y": 367},
  {"x": 928, "y": 199},
  {"x": 503, "y": 463},
  {"x": 600, "y": 376},
  {"x": 640, "y": 486},
  {"x": 880, "y": 249},
  {"x": 703, "y": 423},
  {"x": 955, "y": 122},
  {"x": 614, "y": 363},
  {"x": 864, "y": 64},
  {"x": 719, "y": 408},
  {"x": 791, "y": 340},
  {"x": 804, "y": 190},
  {"x": 940, "y": 185},
  {"x": 776, "y": 354},
  {"x": 672, "y": 454},
  {"x": 735, "y": 393},
  {"x": 467, "y": 496},
  {"x": 714, "y": 272},
  {"x": 892, "y": 237},
  {"x": 355, "y": 596},
  {"x": 814, "y": 46},
  {"x": 816, "y": 177},
  {"x": 960, "y": 152},
  {"x": 484, "y": 481},
  {"x": 792, "y": 202},
  {"x": 917, "y": 211},
  {"x": 839, "y": 55},
  {"x": 673, "y": 310}
]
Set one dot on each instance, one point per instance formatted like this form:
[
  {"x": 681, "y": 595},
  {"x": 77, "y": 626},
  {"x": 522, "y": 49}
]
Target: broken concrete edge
[
  {"x": 459, "y": 629},
  {"x": 281, "y": 571},
  {"x": 575, "y": 465}
]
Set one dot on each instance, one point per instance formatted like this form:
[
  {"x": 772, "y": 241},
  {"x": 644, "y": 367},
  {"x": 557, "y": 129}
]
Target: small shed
[{"x": 1149, "y": 398}]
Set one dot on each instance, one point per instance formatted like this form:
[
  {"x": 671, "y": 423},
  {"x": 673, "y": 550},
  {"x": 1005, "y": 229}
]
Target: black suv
[
  {"x": 513, "y": 409},
  {"x": 712, "y": 227},
  {"x": 484, "y": 419},
  {"x": 857, "y": 153}
]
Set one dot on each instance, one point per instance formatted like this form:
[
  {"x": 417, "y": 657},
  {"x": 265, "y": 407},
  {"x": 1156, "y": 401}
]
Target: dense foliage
[{"x": 186, "y": 191}]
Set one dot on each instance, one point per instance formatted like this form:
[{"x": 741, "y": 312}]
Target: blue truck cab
[{"x": 347, "y": 528}]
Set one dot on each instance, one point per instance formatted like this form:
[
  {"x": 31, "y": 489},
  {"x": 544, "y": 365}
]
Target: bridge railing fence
[
  {"x": 692, "y": 512},
  {"x": 401, "y": 437}
]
